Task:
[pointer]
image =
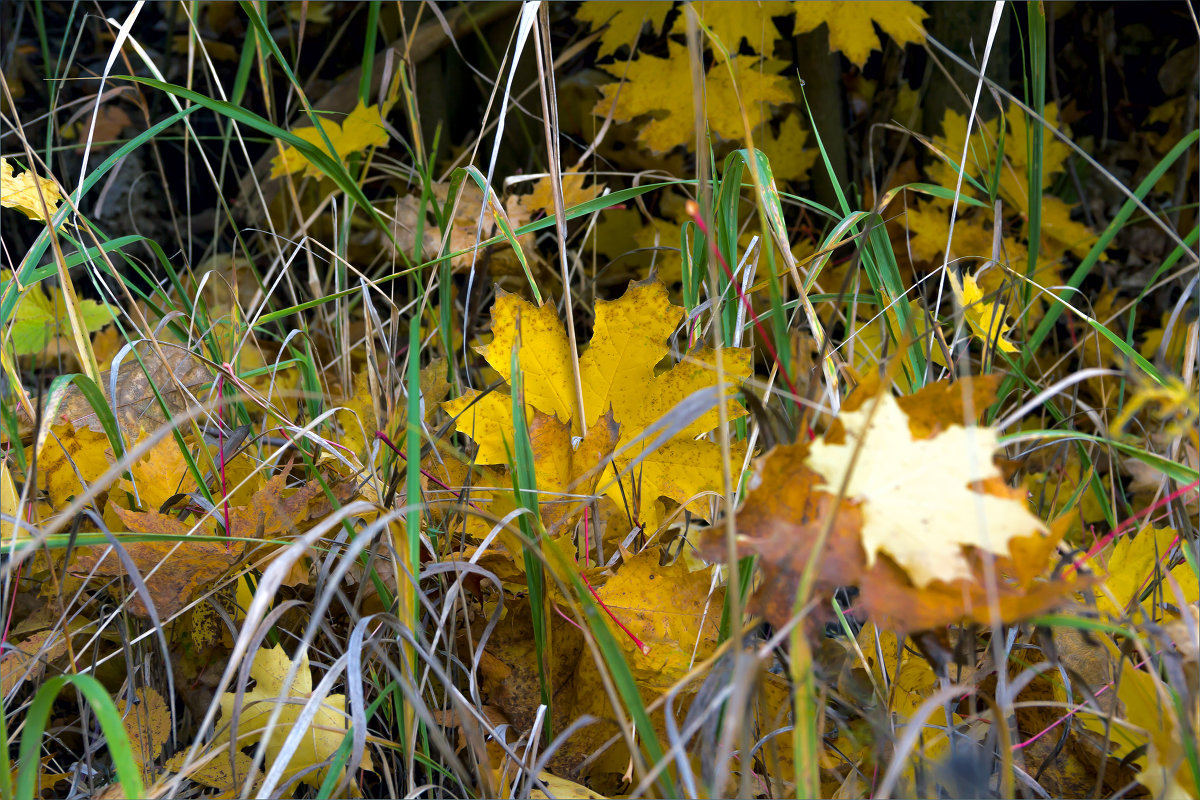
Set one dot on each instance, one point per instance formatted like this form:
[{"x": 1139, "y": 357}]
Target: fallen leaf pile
[{"x": 840, "y": 441}]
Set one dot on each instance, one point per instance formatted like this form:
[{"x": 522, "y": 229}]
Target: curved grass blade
[{"x": 109, "y": 718}]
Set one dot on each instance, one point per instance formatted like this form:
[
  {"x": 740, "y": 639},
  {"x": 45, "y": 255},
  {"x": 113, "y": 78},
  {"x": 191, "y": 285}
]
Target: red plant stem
[
  {"x": 559, "y": 611},
  {"x": 640, "y": 644},
  {"x": 384, "y": 438},
  {"x": 12, "y": 604},
  {"x": 694, "y": 211},
  {"x": 1117, "y": 531},
  {"x": 1066, "y": 716}
]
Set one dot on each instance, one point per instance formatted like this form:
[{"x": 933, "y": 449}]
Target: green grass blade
[{"x": 38, "y": 715}]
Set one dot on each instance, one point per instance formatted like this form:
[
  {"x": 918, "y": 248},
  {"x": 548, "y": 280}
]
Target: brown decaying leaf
[
  {"x": 181, "y": 568},
  {"x": 147, "y": 723},
  {"x": 782, "y": 527},
  {"x": 178, "y": 378},
  {"x": 28, "y": 659}
]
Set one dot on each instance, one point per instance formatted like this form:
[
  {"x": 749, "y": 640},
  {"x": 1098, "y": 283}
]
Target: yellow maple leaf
[
  {"x": 1018, "y": 146},
  {"x": 1131, "y": 567},
  {"x": 624, "y": 21},
  {"x": 985, "y": 319},
  {"x": 1059, "y": 233},
  {"x": 929, "y": 223},
  {"x": 216, "y": 772},
  {"x": 324, "y": 735},
  {"x": 1062, "y": 234},
  {"x": 21, "y": 192},
  {"x": 1148, "y": 723},
  {"x": 669, "y": 609},
  {"x": 147, "y": 723},
  {"x": 790, "y": 158},
  {"x": 362, "y": 128},
  {"x": 618, "y": 372},
  {"x": 70, "y": 460},
  {"x": 732, "y": 22},
  {"x": 9, "y": 499},
  {"x": 851, "y": 24},
  {"x": 160, "y": 474},
  {"x": 542, "y": 196},
  {"x": 545, "y": 353},
  {"x": 566, "y": 472},
  {"x": 652, "y": 87},
  {"x": 916, "y": 495}
]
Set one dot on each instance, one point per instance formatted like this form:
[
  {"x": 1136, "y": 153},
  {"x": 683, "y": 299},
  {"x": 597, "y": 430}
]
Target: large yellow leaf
[
  {"x": 545, "y": 355},
  {"x": 487, "y": 420},
  {"x": 918, "y": 496},
  {"x": 628, "y": 340},
  {"x": 159, "y": 475},
  {"x": 618, "y": 373},
  {"x": 670, "y": 610},
  {"x": 851, "y": 24},
  {"x": 70, "y": 460},
  {"x": 1130, "y": 569},
  {"x": 325, "y": 733},
  {"x": 790, "y": 158},
  {"x": 652, "y": 87},
  {"x": 623, "y": 21},
  {"x": 732, "y": 22},
  {"x": 1147, "y": 730}
]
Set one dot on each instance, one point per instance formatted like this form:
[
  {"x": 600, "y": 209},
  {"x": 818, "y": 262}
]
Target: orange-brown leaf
[{"x": 180, "y": 568}]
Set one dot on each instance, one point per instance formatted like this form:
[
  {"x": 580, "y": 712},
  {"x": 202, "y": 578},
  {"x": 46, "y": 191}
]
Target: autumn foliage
[{"x": 611, "y": 399}]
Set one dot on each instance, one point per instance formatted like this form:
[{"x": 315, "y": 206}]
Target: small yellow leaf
[
  {"x": 562, "y": 788},
  {"x": 147, "y": 723},
  {"x": 8, "y": 503},
  {"x": 362, "y": 128},
  {"x": 985, "y": 319},
  {"x": 22, "y": 192},
  {"x": 324, "y": 735}
]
